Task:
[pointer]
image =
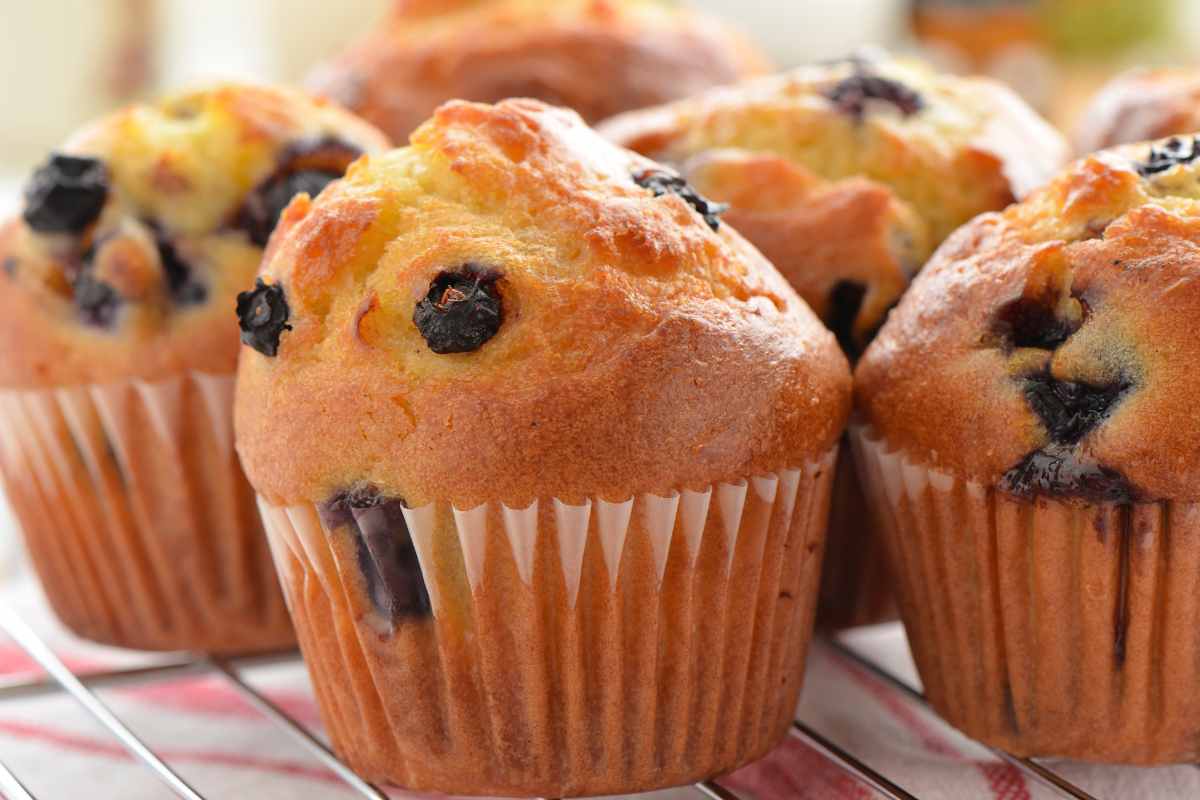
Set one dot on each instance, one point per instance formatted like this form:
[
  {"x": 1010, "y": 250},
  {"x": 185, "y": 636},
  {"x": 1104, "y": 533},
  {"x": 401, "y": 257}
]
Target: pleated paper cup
[
  {"x": 1046, "y": 628},
  {"x": 137, "y": 517},
  {"x": 559, "y": 649},
  {"x": 856, "y": 583}
]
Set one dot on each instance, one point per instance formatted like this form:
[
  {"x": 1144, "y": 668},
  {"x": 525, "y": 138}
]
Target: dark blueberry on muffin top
[
  {"x": 661, "y": 182},
  {"x": 1171, "y": 153},
  {"x": 263, "y": 317},
  {"x": 66, "y": 194},
  {"x": 851, "y": 95},
  {"x": 461, "y": 311},
  {"x": 307, "y": 167}
]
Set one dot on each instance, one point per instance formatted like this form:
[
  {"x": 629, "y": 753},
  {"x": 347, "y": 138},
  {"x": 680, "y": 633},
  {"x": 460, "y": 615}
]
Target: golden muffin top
[
  {"x": 136, "y": 236},
  {"x": 513, "y": 308},
  {"x": 848, "y": 174},
  {"x": 1047, "y": 350},
  {"x": 1139, "y": 105},
  {"x": 599, "y": 57}
]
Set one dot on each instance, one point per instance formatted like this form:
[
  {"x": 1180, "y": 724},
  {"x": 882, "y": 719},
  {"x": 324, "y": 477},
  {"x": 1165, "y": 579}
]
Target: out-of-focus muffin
[
  {"x": 1031, "y": 444},
  {"x": 1140, "y": 105},
  {"x": 599, "y": 57},
  {"x": 544, "y": 450},
  {"x": 847, "y": 175},
  {"x": 117, "y": 360}
]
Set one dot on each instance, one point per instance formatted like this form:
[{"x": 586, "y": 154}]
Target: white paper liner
[
  {"x": 137, "y": 517},
  {"x": 572, "y": 649},
  {"x": 1042, "y": 627}
]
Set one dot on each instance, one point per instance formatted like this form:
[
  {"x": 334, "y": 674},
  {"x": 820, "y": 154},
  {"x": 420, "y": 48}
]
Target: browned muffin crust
[
  {"x": 1056, "y": 336},
  {"x": 1139, "y": 105},
  {"x": 848, "y": 174},
  {"x": 638, "y": 350},
  {"x": 143, "y": 289},
  {"x": 599, "y": 57}
]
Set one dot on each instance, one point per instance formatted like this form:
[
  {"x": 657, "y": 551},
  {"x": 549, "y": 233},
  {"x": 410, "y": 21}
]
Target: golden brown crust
[
  {"x": 639, "y": 351},
  {"x": 1109, "y": 255},
  {"x": 599, "y": 57},
  {"x": 178, "y": 172},
  {"x": 832, "y": 193},
  {"x": 1140, "y": 105}
]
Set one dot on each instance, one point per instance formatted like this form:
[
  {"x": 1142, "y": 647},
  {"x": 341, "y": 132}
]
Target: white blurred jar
[{"x": 798, "y": 31}]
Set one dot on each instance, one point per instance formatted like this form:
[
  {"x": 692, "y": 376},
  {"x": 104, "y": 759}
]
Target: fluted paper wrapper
[
  {"x": 1046, "y": 628},
  {"x": 856, "y": 584},
  {"x": 137, "y": 516},
  {"x": 570, "y": 649}
]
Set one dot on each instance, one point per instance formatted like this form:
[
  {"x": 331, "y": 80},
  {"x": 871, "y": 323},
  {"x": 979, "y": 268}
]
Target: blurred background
[{"x": 65, "y": 61}]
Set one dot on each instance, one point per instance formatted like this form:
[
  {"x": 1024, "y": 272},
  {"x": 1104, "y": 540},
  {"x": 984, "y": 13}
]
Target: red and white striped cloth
[{"x": 221, "y": 745}]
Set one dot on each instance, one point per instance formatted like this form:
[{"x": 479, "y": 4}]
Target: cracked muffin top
[
  {"x": 1139, "y": 105},
  {"x": 513, "y": 308},
  {"x": 848, "y": 174},
  {"x": 1047, "y": 350},
  {"x": 136, "y": 236},
  {"x": 599, "y": 57}
]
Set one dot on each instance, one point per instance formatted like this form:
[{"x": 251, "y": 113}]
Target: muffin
[
  {"x": 544, "y": 451},
  {"x": 847, "y": 175},
  {"x": 117, "y": 358},
  {"x": 1139, "y": 105},
  {"x": 1030, "y": 442},
  {"x": 599, "y": 57}
]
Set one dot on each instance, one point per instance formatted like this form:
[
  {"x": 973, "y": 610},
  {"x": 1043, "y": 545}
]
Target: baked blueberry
[
  {"x": 1058, "y": 472},
  {"x": 66, "y": 194},
  {"x": 461, "y": 311},
  {"x": 1034, "y": 322},
  {"x": 97, "y": 301},
  {"x": 1171, "y": 153},
  {"x": 1070, "y": 410},
  {"x": 307, "y": 168},
  {"x": 182, "y": 284},
  {"x": 384, "y": 550},
  {"x": 661, "y": 182},
  {"x": 851, "y": 95},
  {"x": 263, "y": 317}
]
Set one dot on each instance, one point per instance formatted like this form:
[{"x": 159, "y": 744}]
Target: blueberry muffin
[
  {"x": 544, "y": 451},
  {"x": 847, "y": 175},
  {"x": 117, "y": 358},
  {"x": 599, "y": 57},
  {"x": 1031, "y": 440},
  {"x": 1139, "y": 105}
]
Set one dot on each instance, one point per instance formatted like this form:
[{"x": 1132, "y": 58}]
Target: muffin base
[
  {"x": 137, "y": 517},
  {"x": 572, "y": 649},
  {"x": 1046, "y": 628},
  {"x": 856, "y": 584}
]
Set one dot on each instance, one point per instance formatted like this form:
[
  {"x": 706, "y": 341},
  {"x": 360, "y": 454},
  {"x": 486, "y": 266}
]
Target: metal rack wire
[{"x": 82, "y": 688}]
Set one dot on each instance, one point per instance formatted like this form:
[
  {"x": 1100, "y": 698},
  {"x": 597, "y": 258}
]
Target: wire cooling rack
[{"x": 81, "y": 687}]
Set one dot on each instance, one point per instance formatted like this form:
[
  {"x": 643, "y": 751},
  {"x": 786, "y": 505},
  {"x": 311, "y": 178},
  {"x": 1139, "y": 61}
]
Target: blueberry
[
  {"x": 1070, "y": 410},
  {"x": 662, "y": 182},
  {"x": 182, "y": 285},
  {"x": 1029, "y": 322},
  {"x": 1174, "y": 151},
  {"x": 306, "y": 167},
  {"x": 263, "y": 315},
  {"x": 10, "y": 266},
  {"x": 66, "y": 194},
  {"x": 1055, "y": 472},
  {"x": 461, "y": 311},
  {"x": 97, "y": 301},
  {"x": 384, "y": 550},
  {"x": 852, "y": 94}
]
